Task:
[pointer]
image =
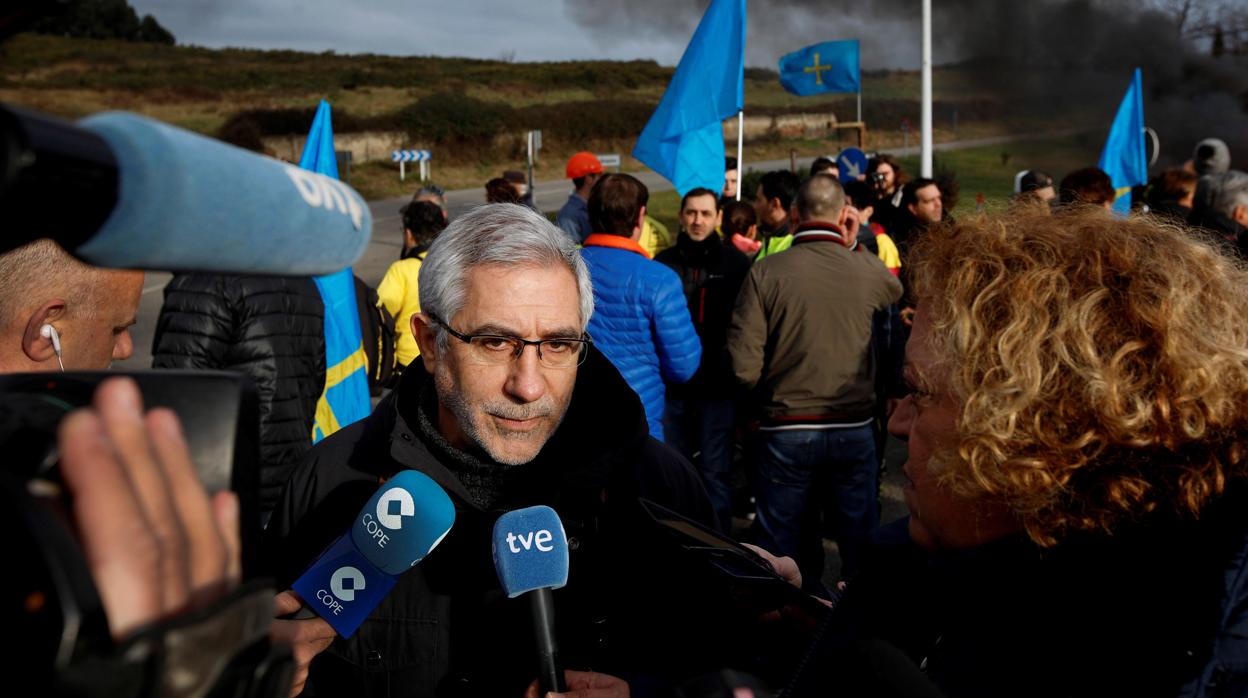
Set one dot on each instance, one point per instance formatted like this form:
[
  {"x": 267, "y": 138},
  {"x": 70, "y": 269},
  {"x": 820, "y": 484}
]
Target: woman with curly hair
[{"x": 1076, "y": 474}]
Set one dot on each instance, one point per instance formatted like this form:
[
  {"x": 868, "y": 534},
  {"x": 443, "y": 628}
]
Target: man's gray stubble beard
[{"x": 450, "y": 396}]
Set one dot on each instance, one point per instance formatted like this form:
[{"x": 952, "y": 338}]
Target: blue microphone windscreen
[
  {"x": 405, "y": 520},
  {"x": 530, "y": 550},
  {"x": 343, "y": 587},
  {"x": 186, "y": 202}
]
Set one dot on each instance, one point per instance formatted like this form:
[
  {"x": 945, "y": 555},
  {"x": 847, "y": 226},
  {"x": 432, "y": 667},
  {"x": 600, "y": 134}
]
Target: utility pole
[{"x": 925, "y": 150}]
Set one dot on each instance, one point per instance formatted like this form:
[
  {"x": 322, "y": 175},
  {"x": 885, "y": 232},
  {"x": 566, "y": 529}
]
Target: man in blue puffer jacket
[{"x": 641, "y": 321}]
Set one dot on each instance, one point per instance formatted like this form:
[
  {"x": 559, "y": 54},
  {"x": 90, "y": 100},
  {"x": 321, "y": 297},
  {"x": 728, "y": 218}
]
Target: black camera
[
  {"x": 54, "y": 608},
  {"x": 877, "y": 178}
]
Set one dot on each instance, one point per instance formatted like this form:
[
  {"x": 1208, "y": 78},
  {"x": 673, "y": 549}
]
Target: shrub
[
  {"x": 453, "y": 118},
  {"x": 290, "y": 120},
  {"x": 578, "y": 123}
]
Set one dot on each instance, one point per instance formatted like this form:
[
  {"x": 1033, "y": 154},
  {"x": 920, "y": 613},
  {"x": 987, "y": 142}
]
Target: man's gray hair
[
  {"x": 503, "y": 234},
  {"x": 1230, "y": 190},
  {"x": 433, "y": 193}
]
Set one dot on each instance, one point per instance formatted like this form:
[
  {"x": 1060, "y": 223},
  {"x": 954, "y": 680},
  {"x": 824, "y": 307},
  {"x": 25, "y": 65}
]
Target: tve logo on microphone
[{"x": 530, "y": 550}]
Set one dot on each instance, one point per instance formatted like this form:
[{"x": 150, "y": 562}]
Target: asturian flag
[
  {"x": 831, "y": 66},
  {"x": 1123, "y": 158},
  {"x": 684, "y": 139},
  {"x": 346, "y": 397}
]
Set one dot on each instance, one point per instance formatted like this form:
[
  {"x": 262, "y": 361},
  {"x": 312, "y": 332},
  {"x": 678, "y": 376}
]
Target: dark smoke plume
[{"x": 1065, "y": 60}]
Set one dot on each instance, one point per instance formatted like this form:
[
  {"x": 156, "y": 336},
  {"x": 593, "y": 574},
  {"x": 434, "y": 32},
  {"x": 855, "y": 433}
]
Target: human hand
[
  {"x": 307, "y": 638},
  {"x": 156, "y": 543},
  {"x": 585, "y": 684},
  {"x": 852, "y": 224},
  {"x": 786, "y": 567}
]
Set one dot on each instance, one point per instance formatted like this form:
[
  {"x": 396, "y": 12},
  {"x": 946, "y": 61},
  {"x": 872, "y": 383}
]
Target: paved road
[{"x": 386, "y": 241}]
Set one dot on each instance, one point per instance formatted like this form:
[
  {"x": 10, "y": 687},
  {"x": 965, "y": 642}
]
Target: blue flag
[
  {"x": 828, "y": 67},
  {"x": 346, "y": 398},
  {"x": 684, "y": 139},
  {"x": 1123, "y": 158}
]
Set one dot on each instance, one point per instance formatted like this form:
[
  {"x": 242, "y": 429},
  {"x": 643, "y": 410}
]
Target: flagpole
[
  {"x": 740, "y": 155},
  {"x": 925, "y": 150}
]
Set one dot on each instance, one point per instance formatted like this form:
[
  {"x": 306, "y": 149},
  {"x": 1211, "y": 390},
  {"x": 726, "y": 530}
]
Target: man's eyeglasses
[{"x": 494, "y": 349}]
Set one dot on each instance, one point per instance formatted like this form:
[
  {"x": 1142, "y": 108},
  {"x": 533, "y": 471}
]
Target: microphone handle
[{"x": 550, "y": 674}]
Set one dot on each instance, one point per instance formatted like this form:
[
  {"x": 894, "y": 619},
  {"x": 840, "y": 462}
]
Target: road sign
[
  {"x": 405, "y": 156},
  {"x": 609, "y": 159},
  {"x": 410, "y": 156},
  {"x": 852, "y": 164}
]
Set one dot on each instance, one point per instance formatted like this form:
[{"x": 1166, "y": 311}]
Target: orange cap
[{"x": 583, "y": 163}]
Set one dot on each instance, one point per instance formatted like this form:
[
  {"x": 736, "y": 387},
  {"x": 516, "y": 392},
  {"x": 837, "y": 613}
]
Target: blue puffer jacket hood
[{"x": 641, "y": 321}]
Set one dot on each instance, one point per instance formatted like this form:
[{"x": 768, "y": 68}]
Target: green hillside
[{"x": 470, "y": 111}]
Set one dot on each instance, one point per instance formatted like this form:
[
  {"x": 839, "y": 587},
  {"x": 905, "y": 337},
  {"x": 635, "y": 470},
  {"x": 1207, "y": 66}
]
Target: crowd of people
[{"x": 1071, "y": 386}]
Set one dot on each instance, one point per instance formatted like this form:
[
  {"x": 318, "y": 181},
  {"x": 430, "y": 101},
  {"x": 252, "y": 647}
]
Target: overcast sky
[{"x": 540, "y": 30}]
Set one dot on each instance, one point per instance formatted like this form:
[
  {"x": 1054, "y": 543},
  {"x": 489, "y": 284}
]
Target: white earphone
[{"x": 49, "y": 332}]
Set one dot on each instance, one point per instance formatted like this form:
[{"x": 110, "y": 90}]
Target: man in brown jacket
[{"x": 800, "y": 338}]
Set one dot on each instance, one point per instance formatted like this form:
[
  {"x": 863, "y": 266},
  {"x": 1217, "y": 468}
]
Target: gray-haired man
[{"x": 509, "y": 406}]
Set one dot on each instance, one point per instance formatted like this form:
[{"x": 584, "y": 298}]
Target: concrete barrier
[
  {"x": 805, "y": 125},
  {"x": 366, "y": 146}
]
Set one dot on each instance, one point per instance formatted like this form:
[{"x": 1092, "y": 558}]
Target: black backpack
[{"x": 377, "y": 328}]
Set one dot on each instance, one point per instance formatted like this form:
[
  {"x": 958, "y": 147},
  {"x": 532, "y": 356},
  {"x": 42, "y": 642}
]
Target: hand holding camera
[
  {"x": 165, "y": 559},
  {"x": 156, "y": 544}
]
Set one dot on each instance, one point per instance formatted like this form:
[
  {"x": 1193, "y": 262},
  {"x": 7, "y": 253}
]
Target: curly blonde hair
[{"x": 1100, "y": 365}]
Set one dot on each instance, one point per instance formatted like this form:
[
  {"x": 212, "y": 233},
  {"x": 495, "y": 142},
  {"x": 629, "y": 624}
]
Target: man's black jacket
[
  {"x": 447, "y": 629},
  {"x": 271, "y": 328},
  {"x": 711, "y": 273}
]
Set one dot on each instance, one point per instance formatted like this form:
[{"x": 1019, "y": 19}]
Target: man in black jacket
[
  {"x": 268, "y": 327},
  {"x": 508, "y": 407},
  {"x": 700, "y": 415}
]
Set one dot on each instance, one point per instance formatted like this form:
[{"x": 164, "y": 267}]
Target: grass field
[
  {"x": 990, "y": 170},
  {"x": 665, "y": 207},
  {"x": 200, "y": 88}
]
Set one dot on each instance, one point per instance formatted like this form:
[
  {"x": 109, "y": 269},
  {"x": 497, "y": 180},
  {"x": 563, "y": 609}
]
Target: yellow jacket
[
  {"x": 399, "y": 293},
  {"x": 888, "y": 252},
  {"x": 654, "y": 237}
]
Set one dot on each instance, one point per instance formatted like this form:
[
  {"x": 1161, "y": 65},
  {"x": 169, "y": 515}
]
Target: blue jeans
[
  {"x": 802, "y": 470},
  {"x": 702, "y": 431}
]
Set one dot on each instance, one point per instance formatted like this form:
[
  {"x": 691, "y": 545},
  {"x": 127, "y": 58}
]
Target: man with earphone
[{"x": 58, "y": 314}]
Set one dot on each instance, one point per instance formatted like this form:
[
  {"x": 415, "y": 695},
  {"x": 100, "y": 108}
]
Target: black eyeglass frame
[{"x": 585, "y": 340}]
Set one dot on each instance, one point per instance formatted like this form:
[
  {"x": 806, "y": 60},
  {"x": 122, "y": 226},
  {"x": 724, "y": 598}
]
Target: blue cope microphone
[
  {"x": 186, "y": 202},
  {"x": 531, "y": 556},
  {"x": 401, "y": 524}
]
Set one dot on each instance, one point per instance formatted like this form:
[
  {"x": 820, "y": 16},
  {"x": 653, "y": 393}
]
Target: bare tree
[{"x": 1221, "y": 23}]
